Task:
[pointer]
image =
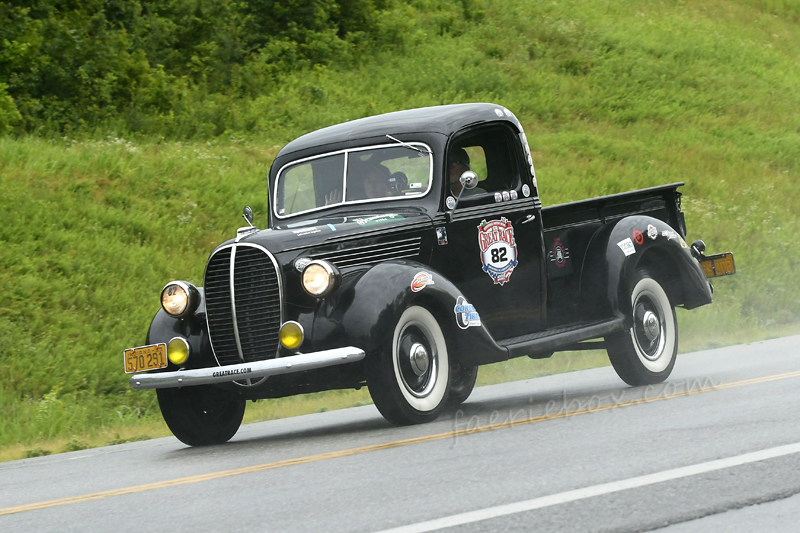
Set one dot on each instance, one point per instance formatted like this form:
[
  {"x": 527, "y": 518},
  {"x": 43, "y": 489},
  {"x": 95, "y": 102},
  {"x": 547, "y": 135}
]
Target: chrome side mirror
[
  {"x": 247, "y": 214},
  {"x": 469, "y": 180}
]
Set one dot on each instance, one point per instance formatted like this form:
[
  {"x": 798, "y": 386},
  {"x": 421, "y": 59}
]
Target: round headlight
[
  {"x": 319, "y": 278},
  {"x": 179, "y": 298}
]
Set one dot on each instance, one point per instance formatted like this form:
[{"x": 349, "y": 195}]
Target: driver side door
[{"x": 494, "y": 253}]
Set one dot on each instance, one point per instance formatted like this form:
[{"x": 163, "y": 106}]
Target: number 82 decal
[{"x": 498, "y": 249}]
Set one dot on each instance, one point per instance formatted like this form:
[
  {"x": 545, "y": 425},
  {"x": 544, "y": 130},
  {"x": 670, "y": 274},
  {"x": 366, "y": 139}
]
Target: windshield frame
[{"x": 346, "y": 152}]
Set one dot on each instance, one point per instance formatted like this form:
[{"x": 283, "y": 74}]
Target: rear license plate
[
  {"x": 145, "y": 358},
  {"x": 718, "y": 265}
]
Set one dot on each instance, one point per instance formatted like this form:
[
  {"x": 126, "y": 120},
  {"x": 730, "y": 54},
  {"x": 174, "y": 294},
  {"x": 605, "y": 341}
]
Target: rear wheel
[
  {"x": 201, "y": 415},
  {"x": 408, "y": 379},
  {"x": 645, "y": 353}
]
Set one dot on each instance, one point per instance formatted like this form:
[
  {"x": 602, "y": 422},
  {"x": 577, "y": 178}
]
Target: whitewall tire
[
  {"x": 645, "y": 353},
  {"x": 408, "y": 380}
]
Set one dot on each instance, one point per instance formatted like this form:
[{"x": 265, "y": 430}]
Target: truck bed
[
  {"x": 570, "y": 227},
  {"x": 662, "y": 202}
]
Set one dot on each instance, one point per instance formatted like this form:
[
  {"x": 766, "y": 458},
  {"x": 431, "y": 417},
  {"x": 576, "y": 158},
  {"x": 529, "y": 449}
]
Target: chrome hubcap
[
  {"x": 419, "y": 359},
  {"x": 651, "y": 325},
  {"x": 648, "y": 328}
]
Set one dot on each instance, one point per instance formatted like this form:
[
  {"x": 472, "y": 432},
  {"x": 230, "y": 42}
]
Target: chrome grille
[
  {"x": 256, "y": 317},
  {"x": 374, "y": 253}
]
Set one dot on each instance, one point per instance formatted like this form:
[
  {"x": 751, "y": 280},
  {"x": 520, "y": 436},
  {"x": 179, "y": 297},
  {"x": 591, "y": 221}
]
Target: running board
[{"x": 554, "y": 340}]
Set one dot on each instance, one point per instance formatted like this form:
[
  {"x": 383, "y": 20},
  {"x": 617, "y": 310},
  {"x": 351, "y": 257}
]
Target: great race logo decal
[
  {"x": 466, "y": 315},
  {"x": 498, "y": 249},
  {"x": 420, "y": 281}
]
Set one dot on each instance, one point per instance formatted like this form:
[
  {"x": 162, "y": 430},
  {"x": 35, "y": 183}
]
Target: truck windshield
[{"x": 375, "y": 173}]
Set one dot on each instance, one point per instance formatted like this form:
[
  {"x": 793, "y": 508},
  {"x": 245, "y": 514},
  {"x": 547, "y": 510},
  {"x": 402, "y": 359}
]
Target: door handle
[{"x": 529, "y": 218}]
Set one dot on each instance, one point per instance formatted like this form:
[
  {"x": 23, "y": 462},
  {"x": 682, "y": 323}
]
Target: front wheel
[
  {"x": 201, "y": 415},
  {"x": 645, "y": 353},
  {"x": 408, "y": 379}
]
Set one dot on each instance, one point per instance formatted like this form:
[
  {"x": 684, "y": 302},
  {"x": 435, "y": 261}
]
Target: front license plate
[
  {"x": 145, "y": 358},
  {"x": 718, "y": 265}
]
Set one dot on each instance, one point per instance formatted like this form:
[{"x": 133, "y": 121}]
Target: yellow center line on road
[{"x": 384, "y": 446}]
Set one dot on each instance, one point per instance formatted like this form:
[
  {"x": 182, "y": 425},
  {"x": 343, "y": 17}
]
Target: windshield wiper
[{"x": 420, "y": 150}]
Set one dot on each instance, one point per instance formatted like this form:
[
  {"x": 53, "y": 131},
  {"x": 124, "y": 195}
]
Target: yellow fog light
[
  {"x": 178, "y": 350},
  {"x": 291, "y": 335}
]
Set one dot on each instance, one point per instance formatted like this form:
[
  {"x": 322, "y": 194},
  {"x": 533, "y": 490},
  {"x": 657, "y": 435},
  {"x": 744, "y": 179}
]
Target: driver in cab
[{"x": 458, "y": 163}]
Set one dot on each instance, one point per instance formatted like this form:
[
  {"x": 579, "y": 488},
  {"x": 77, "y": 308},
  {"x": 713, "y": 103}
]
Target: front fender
[
  {"x": 365, "y": 309},
  {"x": 617, "y": 251}
]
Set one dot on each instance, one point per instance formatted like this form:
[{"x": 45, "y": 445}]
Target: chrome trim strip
[
  {"x": 343, "y": 263},
  {"x": 231, "y": 276},
  {"x": 403, "y": 247},
  {"x": 380, "y": 231},
  {"x": 241, "y": 233},
  {"x": 376, "y": 259},
  {"x": 344, "y": 180},
  {"x": 372, "y": 253},
  {"x": 249, "y": 371},
  {"x": 491, "y": 210},
  {"x": 385, "y": 245}
]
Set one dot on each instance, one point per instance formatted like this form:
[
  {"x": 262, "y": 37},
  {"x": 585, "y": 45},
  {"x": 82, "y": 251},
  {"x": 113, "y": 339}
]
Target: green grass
[{"x": 613, "y": 95}]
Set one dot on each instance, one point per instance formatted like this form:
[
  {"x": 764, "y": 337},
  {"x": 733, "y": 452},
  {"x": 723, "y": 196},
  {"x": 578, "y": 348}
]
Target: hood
[{"x": 329, "y": 230}]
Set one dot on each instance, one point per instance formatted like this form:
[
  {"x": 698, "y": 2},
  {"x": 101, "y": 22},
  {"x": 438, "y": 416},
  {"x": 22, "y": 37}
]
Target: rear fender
[
  {"x": 364, "y": 311},
  {"x": 617, "y": 251}
]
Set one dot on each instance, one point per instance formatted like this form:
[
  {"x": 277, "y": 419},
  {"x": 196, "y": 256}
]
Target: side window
[
  {"x": 477, "y": 159},
  {"x": 489, "y": 153}
]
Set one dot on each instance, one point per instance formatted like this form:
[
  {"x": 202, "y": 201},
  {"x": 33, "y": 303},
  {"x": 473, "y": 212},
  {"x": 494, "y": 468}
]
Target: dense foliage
[{"x": 66, "y": 64}]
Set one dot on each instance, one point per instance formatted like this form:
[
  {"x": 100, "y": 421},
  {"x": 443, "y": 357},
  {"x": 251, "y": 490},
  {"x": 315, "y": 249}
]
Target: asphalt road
[{"x": 717, "y": 447}]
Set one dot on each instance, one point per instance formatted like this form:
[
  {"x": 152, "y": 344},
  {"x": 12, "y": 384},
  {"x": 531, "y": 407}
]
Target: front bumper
[{"x": 256, "y": 370}]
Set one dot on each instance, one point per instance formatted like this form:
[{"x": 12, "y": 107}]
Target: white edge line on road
[{"x": 596, "y": 490}]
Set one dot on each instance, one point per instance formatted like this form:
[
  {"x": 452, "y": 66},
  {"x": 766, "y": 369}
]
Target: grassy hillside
[{"x": 613, "y": 96}]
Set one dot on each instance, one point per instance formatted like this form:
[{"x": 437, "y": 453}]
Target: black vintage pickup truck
[{"x": 402, "y": 251}]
